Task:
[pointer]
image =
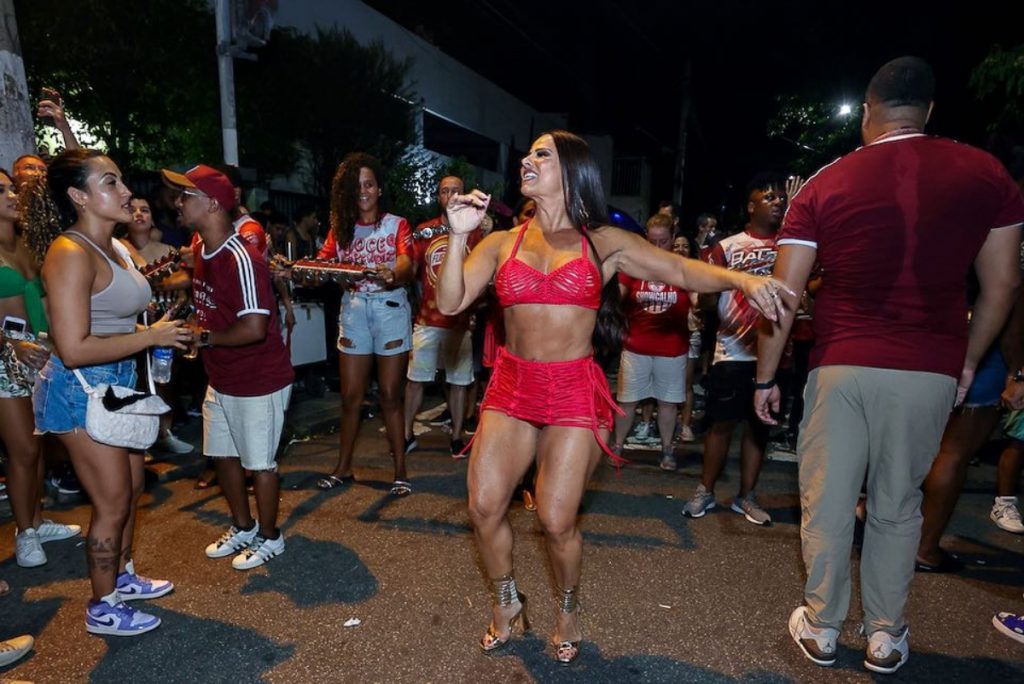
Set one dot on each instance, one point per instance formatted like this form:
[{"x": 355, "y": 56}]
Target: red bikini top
[{"x": 577, "y": 282}]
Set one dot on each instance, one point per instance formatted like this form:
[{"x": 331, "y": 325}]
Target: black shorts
[{"x": 731, "y": 391}]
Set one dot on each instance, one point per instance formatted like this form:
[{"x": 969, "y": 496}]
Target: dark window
[{"x": 450, "y": 139}]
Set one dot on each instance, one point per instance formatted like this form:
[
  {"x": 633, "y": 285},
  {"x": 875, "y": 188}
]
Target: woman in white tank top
[{"x": 94, "y": 294}]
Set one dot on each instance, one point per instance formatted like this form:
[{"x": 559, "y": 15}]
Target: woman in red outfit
[{"x": 547, "y": 397}]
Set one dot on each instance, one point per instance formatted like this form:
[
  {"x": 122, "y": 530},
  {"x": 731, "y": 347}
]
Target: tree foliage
[
  {"x": 815, "y": 127},
  {"x": 310, "y": 100},
  {"x": 143, "y": 76},
  {"x": 999, "y": 81}
]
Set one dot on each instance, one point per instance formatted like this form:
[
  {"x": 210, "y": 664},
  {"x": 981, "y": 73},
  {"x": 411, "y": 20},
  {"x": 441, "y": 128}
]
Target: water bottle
[{"x": 163, "y": 357}]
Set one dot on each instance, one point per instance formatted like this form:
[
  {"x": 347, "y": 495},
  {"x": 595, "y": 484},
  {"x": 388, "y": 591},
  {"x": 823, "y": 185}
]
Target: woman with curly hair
[
  {"x": 94, "y": 295},
  {"x": 21, "y": 356},
  {"x": 376, "y": 320},
  {"x": 547, "y": 399}
]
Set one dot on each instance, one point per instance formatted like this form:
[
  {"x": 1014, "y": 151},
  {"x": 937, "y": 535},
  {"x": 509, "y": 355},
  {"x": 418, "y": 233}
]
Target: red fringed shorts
[{"x": 569, "y": 393}]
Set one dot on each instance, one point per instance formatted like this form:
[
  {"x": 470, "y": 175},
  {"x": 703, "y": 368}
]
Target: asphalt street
[{"x": 665, "y": 599}]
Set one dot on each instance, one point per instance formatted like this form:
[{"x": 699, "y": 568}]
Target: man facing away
[
  {"x": 895, "y": 226},
  {"x": 245, "y": 358}
]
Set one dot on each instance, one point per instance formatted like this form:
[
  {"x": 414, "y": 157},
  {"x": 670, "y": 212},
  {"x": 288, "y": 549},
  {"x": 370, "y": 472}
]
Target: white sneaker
[
  {"x": 887, "y": 653},
  {"x": 15, "y": 649},
  {"x": 818, "y": 644},
  {"x": 232, "y": 541},
  {"x": 173, "y": 445},
  {"x": 259, "y": 551},
  {"x": 29, "y": 549},
  {"x": 1006, "y": 515},
  {"x": 54, "y": 531}
]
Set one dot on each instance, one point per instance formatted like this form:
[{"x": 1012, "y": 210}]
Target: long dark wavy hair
[
  {"x": 345, "y": 195},
  {"x": 46, "y": 210},
  {"x": 586, "y": 207}
]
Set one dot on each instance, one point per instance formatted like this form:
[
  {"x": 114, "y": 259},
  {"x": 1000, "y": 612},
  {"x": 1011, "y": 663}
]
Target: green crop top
[{"x": 13, "y": 284}]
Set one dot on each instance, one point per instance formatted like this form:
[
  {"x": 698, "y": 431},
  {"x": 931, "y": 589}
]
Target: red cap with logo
[{"x": 206, "y": 180}]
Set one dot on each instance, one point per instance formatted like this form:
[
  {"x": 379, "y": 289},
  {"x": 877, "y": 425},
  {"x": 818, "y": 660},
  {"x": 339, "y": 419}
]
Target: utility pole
[
  {"x": 684, "y": 117},
  {"x": 16, "y": 131},
  {"x": 226, "y": 71}
]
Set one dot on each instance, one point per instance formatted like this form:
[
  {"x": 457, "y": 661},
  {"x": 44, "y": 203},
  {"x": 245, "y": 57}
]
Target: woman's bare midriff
[{"x": 549, "y": 332}]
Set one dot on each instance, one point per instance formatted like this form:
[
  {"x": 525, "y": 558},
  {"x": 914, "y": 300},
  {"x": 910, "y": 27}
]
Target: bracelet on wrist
[{"x": 764, "y": 385}]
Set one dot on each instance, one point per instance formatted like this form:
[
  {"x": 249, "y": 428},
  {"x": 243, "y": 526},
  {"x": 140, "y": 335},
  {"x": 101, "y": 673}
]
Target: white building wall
[{"x": 448, "y": 88}]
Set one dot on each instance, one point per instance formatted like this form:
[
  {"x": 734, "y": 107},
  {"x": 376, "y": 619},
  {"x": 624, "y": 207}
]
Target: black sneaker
[
  {"x": 411, "y": 444},
  {"x": 65, "y": 480},
  {"x": 458, "y": 447},
  {"x": 469, "y": 426}
]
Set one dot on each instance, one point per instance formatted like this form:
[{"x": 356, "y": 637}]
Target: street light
[{"x": 845, "y": 110}]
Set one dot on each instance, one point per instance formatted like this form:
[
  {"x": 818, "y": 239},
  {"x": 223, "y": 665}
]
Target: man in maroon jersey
[
  {"x": 895, "y": 226},
  {"x": 247, "y": 363},
  {"x": 438, "y": 340}
]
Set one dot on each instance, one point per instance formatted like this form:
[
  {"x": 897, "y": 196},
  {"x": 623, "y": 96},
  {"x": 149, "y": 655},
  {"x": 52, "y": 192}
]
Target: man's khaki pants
[{"x": 886, "y": 424}]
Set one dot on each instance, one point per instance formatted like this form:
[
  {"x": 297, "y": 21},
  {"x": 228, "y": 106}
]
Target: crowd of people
[{"x": 542, "y": 307}]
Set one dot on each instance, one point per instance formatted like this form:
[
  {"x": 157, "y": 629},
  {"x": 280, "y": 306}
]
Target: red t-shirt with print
[
  {"x": 372, "y": 245},
  {"x": 656, "y": 314}
]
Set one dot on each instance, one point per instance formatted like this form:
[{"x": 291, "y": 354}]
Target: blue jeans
[{"x": 59, "y": 400}]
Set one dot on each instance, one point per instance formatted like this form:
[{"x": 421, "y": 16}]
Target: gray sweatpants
[{"x": 887, "y": 424}]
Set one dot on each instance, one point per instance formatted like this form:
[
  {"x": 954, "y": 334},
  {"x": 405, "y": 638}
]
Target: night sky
[{"x": 617, "y": 67}]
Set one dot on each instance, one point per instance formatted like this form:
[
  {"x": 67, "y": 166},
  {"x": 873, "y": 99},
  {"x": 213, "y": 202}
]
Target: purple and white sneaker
[
  {"x": 131, "y": 587},
  {"x": 118, "y": 619}
]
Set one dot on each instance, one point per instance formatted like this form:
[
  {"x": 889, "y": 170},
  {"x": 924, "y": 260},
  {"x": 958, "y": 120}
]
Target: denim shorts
[
  {"x": 59, "y": 401},
  {"x": 372, "y": 323}
]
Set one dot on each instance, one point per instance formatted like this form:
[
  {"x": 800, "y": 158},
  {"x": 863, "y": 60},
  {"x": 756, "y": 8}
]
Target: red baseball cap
[{"x": 206, "y": 180}]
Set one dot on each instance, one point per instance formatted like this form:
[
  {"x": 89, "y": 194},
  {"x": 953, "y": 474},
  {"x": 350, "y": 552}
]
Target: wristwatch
[
  {"x": 204, "y": 338},
  {"x": 764, "y": 385}
]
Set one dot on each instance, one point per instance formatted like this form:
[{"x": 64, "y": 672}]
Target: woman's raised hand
[
  {"x": 465, "y": 212},
  {"x": 763, "y": 295},
  {"x": 168, "y": 333}
]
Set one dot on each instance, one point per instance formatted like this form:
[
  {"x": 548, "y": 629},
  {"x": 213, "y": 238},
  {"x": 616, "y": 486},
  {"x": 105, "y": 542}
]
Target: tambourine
[
  {"x": 322, "y": 270},
  {"x": 430, "y": 232}
]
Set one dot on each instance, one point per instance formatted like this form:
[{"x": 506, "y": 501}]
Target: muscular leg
[
  {"x": 355, "y": 374},
  {"x": 624, "y": 423},
  {"x": 390, "y": 376},
  {"x": 566, "y": 458},
  {"x": 965, "y": 433},
  {"x": 106, "y": 475},
  {"x": 502, "y": 452},
  {"x": 24, "y": 464},
  {"x": 755, "y": 438},
  {"x": 413, "y": 402},
  {"x": 716, "y": 448}
]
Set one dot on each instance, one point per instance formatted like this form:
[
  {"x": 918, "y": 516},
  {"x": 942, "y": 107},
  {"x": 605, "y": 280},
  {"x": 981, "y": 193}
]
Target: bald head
[{"x": 900, "y": 94}]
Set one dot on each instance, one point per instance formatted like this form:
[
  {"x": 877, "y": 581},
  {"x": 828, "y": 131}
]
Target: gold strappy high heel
[
  {"x": 568, "y": 651},
  {"x": 504, "y": 594}
]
